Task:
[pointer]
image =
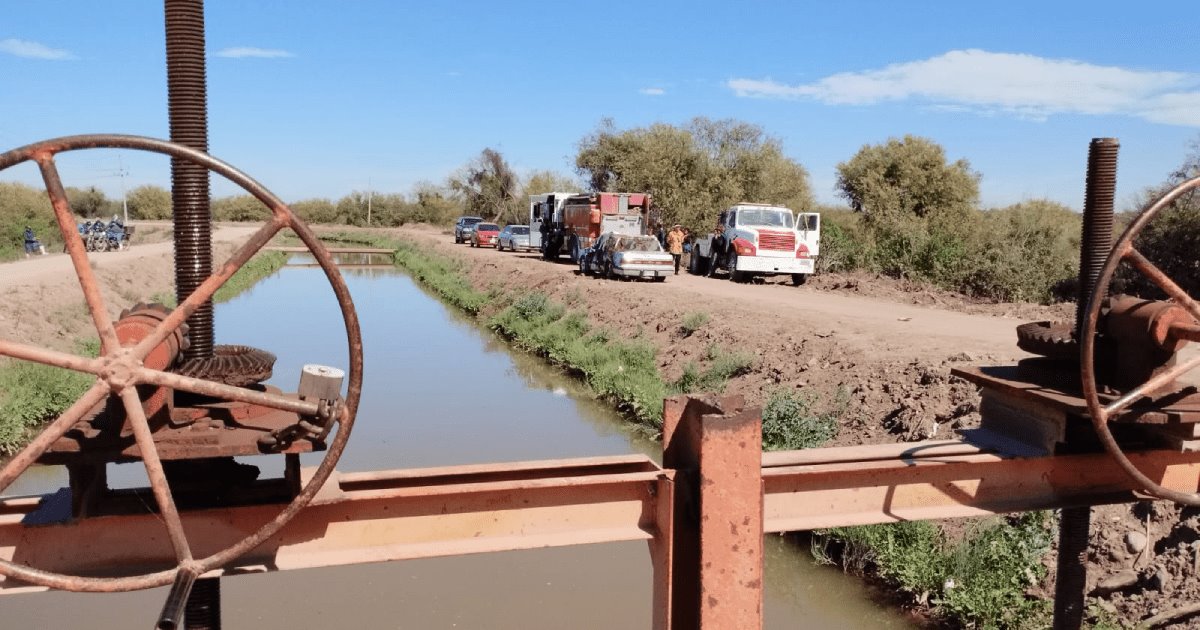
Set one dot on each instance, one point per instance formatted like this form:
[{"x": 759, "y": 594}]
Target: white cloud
[
  {"x": 1016, "y": 84},
  {"x": 33, "y": 50},
  {"x": 652, "y": 91},
  {"x": 241, "y": 52}
]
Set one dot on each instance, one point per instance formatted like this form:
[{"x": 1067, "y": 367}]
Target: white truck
[
  {"x": 545, "y": 210},
  {"x": 759, "y": 240}
]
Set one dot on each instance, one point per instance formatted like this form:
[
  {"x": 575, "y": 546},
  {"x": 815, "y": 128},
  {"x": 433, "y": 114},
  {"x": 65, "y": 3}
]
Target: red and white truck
[
  {"x": 753, "y": 239},
  {"x": 585, "y": 217}
]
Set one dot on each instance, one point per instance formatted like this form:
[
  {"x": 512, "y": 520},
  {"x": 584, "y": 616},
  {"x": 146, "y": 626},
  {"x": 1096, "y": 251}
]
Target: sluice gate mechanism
[{"x": 1101, "y": 417}]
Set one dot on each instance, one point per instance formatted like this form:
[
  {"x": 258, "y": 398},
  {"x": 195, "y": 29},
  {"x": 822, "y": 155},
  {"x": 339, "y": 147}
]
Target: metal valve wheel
[
  {"x": 1101, "y": 414},
  {"x": 119, "y": 369}
]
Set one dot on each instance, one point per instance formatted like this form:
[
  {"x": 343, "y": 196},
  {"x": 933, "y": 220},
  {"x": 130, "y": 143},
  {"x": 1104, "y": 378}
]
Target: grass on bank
[
  {"x": 32, "y": 393},
  {"x": 978, "y": 581}
]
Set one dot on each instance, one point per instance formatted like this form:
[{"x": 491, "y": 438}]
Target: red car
[{"x": 485, "y": 234}]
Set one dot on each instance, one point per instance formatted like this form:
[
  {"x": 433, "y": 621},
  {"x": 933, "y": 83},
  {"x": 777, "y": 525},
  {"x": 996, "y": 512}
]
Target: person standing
[{"x": 675, "y": 244}]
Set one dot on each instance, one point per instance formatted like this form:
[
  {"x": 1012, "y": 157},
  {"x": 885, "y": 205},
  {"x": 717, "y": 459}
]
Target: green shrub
[
  {"x": 693, "y": 322},
  {"x": 979, "y": 581},
  {"x": 789, "y": 423}
]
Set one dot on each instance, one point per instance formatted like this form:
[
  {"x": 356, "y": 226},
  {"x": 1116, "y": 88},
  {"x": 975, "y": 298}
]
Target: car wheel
[
  {"x": 731, "y": 266},
  {"x": 799, "y": 279}
]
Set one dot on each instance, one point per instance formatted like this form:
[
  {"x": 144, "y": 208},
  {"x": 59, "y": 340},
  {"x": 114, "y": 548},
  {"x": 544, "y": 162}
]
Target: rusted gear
[
  {"x": 158, "y": 312},
  {"x": 239, "y": 366},
  {"x": 1055, "y": 340}
]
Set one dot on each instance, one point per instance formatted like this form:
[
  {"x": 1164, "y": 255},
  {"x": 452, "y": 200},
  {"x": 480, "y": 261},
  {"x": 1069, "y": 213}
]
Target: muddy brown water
[{"x": 439, "y": 390}]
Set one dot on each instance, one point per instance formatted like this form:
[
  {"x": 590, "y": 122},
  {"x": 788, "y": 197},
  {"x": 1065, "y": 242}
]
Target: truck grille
[{"x": 779, "y": 241}]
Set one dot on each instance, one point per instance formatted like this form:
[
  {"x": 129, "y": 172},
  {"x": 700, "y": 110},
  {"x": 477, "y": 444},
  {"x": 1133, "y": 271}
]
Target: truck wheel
[
  {"x": 799, "y": 279},
  {"x": 574, "y": 250},
  {"x": 694, "y": 264},
  {"x": 731, "y": 266}
]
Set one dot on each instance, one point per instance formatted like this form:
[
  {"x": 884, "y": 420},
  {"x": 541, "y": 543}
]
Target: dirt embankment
[{"x": 888, "y": 348}]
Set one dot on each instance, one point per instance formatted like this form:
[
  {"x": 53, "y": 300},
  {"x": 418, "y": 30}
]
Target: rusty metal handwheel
[
  {"x": 119, "y": 370},
  {"x": 1124, "y": 251}
]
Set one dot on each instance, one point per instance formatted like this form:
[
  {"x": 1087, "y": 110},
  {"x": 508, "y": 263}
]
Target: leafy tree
[
  {"x": 541, "y": 182},
  {"x": 693, "y": 171},
  {"x": 315, "y": 210},
  {"x": 89, "y": 202},
  {"x": 352, "y": 209},
  {"x": 433, "y": 204},
  {"x": 1023, "y": 252},
  {"x": 1171, "y": 241},
  {"x": 916, "y": 207},
  {"x": 489, "y": 187},
  {"x": 149, "y": 202},
  {"x": 239, "y": 208},
  {"x": 907, "y": 177}
]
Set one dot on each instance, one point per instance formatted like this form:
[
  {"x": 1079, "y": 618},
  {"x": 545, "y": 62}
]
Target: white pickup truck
[{"x": 759, "y": 240}]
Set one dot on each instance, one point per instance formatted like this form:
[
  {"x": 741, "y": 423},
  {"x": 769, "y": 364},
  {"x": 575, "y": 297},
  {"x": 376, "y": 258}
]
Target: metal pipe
[{"x": 187, "y": 103}]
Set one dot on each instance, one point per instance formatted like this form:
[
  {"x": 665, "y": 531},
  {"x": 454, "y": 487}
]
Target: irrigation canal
[{"x": 439, "y": 390}]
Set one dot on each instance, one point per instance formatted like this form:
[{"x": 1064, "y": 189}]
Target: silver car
[
  {"x": 513, "y": 237},
  {"x": 625, "y": 256}
]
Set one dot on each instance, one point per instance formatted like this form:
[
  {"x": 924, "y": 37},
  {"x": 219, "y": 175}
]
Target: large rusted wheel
[
  {"x": 1101, "y": 414},
  {"x": 119, "y": 369}
]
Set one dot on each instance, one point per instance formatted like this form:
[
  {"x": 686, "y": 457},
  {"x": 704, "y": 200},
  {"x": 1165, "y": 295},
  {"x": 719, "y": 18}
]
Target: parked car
[
  {"x": 463, "y": 227},
  {"x": 623, "y": 256},
  {"x": 484, "y": 234},
  {"x": 514, "y": 237}
]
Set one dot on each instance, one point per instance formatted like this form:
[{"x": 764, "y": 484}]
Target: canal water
[{"x": 439, "y": 390}]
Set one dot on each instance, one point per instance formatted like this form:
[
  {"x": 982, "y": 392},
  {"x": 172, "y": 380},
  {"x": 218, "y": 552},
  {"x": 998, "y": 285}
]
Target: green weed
[
  {"x": 693, "y": 322},
  {"x": 979, "y": 581},
  {"x": 789, "y": 422}
]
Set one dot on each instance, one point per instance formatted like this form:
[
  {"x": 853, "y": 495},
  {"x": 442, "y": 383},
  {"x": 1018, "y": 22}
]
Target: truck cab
[
  {"x": 545, "y": 210},
  {"x": 760, "y": 240}
]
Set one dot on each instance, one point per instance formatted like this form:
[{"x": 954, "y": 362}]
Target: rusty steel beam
[
  {"x": 716, "y": 447},
  {"x": 925, "y": 483},
  {"x": 360, "y": 518}
]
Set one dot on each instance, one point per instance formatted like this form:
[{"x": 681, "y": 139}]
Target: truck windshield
[{"x": 765, "y": 217}]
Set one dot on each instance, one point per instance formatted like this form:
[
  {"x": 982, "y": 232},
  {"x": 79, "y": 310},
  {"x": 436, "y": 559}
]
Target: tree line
[{"x": 910, "y": 212}]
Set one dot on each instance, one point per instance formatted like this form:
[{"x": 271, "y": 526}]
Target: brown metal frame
[
  {"x": 1102, "y": 414},
  {"x": 703, "y": 515},
  {"x": 119, "y": 370}
]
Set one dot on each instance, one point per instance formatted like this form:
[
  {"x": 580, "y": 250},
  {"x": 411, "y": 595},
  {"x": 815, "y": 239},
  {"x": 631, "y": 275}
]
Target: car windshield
[
  {"x": 520, "y": 230},
  {"x": 766, "y": 217},
  {"x": 487, "y": 227},
  {"x": 638, "y": 244}
]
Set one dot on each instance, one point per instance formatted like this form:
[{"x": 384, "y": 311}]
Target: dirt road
[
  {"x": 879, "y": 325},
  {"x": 44, "y": 302}
]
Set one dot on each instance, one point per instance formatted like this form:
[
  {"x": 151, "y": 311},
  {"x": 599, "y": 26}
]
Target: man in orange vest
[{"x": 675, "y": 244}]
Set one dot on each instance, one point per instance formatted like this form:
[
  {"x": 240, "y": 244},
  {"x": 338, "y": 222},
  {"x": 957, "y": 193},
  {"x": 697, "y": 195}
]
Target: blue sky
[{"x": 315, "y": 99}]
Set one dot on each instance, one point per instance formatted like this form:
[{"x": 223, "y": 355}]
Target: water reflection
[{"x": 439, "y": 390}]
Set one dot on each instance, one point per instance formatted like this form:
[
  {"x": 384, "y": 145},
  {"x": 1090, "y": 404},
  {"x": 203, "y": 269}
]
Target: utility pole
[
  {"x": 122, "y": 173},
  {"x": 369, "y": 194}
]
